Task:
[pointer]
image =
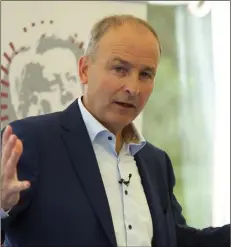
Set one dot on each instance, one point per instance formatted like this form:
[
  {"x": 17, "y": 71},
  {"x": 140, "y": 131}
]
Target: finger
[
  {"x": 6, "y": 134},
  {"x": 18, "y": 148},
  {"x": 8, "y": 148},
  {"x": 17, "y": 187},
  {"x": 10, "y": 169}
]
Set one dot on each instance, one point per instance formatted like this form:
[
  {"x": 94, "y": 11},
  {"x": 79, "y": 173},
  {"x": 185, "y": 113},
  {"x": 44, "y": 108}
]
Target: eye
[
  {"x": 120, "y": 70},
  {"x": 145, "y": 75}
]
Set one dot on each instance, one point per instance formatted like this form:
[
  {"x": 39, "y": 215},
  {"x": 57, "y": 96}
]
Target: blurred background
[{"x": 188, "y": 114}]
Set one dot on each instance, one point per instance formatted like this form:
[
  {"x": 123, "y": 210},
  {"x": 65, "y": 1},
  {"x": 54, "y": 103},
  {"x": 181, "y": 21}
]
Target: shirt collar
[{"x": 132, "y": 136}]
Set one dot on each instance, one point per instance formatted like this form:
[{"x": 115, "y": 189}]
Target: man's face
[{"x": 120, "y": 78}]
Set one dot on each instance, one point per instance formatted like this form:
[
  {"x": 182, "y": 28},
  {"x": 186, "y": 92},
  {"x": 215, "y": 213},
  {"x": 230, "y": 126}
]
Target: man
[{"x": 86, "y": 176}]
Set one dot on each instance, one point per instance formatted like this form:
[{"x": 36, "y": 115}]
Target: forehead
[{"x": 131, "y": 42}]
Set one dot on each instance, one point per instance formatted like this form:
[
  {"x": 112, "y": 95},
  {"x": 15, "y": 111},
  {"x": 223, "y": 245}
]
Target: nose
[{"x": 132, "y": 86}]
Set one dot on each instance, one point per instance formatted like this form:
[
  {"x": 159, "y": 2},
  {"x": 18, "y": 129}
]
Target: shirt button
[
  {"x": 126, "y": 192},
  {"x": 130, "y": 227},
  {"x": 109, "y": 138}
]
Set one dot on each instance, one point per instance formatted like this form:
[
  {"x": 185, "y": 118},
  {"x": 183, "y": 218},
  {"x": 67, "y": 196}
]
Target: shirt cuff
[{"x": 4, "y": 214}]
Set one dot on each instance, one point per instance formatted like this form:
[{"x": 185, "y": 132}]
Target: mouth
[{"x": 125, "y": 105}]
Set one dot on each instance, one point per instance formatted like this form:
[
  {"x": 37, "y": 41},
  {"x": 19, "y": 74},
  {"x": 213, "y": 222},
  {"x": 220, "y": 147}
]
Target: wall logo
[{"x": 40, "y": 77}]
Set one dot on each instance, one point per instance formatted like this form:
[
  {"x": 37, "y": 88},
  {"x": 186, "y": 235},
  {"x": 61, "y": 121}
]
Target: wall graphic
[{"x": 39, "y": 77}]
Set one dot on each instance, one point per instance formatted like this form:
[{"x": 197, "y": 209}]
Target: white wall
[{"x": 69, "y": 18}]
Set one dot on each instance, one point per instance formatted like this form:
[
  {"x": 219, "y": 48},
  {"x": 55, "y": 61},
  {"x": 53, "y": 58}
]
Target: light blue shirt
[{"x": 128, "y": 204}]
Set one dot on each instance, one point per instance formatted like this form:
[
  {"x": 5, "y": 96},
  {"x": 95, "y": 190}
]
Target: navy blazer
[{"x": 67, "y": 203}]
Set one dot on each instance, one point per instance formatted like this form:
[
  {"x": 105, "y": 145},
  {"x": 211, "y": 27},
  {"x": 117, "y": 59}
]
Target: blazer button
[
  {"x": 165, "y": 211},
  {"x": 130, "y": 227}
]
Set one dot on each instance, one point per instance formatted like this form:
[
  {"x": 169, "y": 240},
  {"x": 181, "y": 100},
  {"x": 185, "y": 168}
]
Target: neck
[
  {"x": 119, "y": 142},
  {"x": 116, "y": 131}
]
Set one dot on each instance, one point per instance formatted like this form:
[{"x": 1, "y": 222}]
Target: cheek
[
  {"x": 145, "y": 94},
  {"x": 110, "y": 82}
]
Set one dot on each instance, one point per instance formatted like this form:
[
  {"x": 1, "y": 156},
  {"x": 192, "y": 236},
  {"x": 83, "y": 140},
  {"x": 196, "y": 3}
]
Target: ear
[{"x": 83, "y": 69}]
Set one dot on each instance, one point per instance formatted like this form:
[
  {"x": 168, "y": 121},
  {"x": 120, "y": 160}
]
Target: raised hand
[{"x": 11, "y": 187}]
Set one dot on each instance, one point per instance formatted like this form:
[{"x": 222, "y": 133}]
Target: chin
[
  {"x": 121, "y": 121},
  {"x": 117, "y": 121}
]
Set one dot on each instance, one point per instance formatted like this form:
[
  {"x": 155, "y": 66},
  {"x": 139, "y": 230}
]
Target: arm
[
  {"x": 26, "y": 170},
  {"x": 177, "y": 211},
  {"x": 191, "y": 237},
  {"x": 207, "y": 237},
  {"x": 176, "y": 207}
]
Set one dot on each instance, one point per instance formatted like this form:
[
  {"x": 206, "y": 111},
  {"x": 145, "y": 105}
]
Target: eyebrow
[{"x": 127, "y": 64}]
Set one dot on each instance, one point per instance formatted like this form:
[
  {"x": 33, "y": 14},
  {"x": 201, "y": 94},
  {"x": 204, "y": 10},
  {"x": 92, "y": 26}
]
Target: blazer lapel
[
  {"x": 157, "y": 205},
  {"x": 78, "y": 144}
]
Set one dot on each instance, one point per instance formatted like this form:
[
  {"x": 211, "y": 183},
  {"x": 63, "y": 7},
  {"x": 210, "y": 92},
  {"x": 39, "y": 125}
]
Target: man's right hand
[{"x": 11, "y": 187}]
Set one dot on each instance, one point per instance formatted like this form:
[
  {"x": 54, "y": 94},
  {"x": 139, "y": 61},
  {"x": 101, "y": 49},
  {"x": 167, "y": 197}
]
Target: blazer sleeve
[
  {"x": 27, "y": 169},
  {"x": 176, "y": 207},
  {"x": 188, "y": 236}
]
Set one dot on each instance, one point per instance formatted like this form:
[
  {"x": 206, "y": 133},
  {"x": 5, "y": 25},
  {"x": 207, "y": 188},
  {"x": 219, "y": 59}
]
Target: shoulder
[
  {"x": 157, "y": 157},
  {"x": 36, "y": 124},
  {"x": 150, "y": 152}
]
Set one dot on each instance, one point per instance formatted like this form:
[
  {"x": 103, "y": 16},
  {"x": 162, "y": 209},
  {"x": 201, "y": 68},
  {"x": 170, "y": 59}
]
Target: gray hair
[{"x": 103, "y": 25}]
